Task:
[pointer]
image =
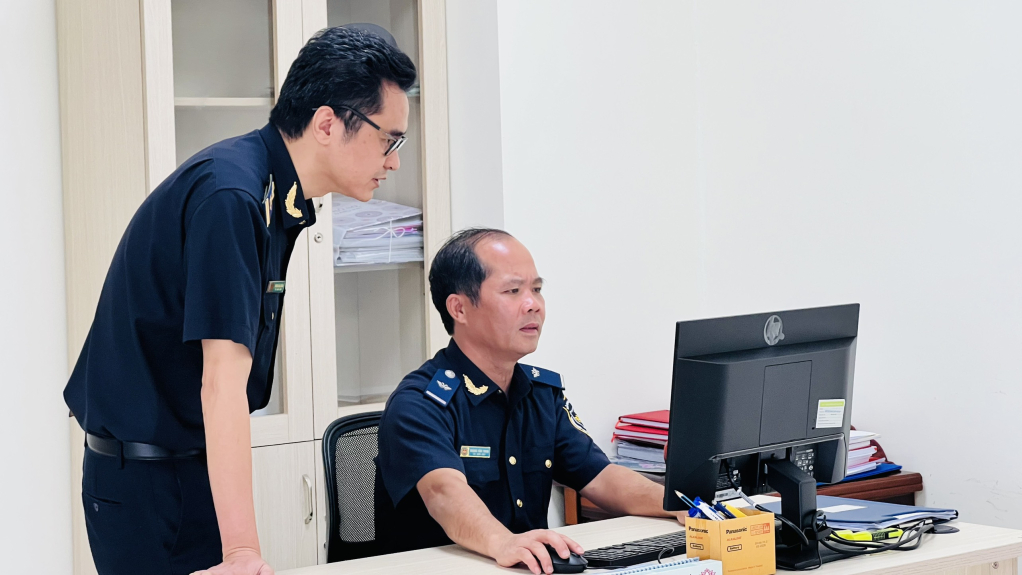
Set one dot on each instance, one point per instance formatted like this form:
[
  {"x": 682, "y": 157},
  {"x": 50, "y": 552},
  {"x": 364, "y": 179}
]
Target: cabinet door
[
  {"x": 284, "y": 486},
  {"x": 374, "y": 323}
]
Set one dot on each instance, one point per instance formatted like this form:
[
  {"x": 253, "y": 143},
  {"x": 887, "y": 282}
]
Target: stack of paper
[
  {"x": 676, "y": 566},
  {"x": 375, "y": 232},
  {"x": 861, "y": 453},
  {"x": 870, "y": 515},
  {"x": 640, "y": 439}
]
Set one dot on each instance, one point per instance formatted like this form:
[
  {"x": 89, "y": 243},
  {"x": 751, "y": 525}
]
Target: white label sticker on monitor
[{"x": 831, "y": 413}]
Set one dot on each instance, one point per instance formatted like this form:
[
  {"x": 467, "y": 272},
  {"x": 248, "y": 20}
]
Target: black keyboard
[{"x": 635, "y": 552}]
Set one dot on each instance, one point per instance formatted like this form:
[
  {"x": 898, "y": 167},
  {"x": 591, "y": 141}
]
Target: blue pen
[
  {"x": 707, "y": 510},
  {"x": 684, "y": 499},
  {"x": 695, "y": 513},
  {"x": 723, "y": 511}
]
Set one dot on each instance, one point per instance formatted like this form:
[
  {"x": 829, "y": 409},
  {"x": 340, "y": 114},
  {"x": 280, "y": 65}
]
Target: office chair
[{"x": 349, "y": 448}]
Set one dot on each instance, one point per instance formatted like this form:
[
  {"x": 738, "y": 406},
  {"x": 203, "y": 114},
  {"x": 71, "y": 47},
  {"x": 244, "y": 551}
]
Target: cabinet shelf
[
  {"x": 352, "y": 268},
  {"x": 223, "y": 102}
]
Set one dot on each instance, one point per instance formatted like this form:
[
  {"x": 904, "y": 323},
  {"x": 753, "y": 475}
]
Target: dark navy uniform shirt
[
  {"x": 204, "y": 257},
  {"x": 510, "y": 447}
]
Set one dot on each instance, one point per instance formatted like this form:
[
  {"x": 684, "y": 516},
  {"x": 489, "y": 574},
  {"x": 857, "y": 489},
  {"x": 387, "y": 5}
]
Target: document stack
[
  {"x": 858, "y": 515},
  {"x": 375, "y": 232},
  {"x": 640, "y": 438},
  {"x": 863, "y": 457}
]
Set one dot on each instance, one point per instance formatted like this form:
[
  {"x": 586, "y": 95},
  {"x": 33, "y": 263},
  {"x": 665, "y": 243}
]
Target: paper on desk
[
  {"x": 638, "y": 464},
  {"x": 871, "y": 515},
  {"x": 840, "y": 508},
  {"x": 858, "y": 439}
]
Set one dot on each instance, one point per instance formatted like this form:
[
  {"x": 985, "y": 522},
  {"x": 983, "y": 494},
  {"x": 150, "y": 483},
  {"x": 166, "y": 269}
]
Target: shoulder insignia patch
[
  {"x": 573, "y": 417},
  {"x": 441, "y": 389},
  {"x": 544, "y": 376}
]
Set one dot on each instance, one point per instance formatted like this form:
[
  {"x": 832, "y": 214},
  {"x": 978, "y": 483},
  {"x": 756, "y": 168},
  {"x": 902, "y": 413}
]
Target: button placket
[{"x": 516, "y": 483}]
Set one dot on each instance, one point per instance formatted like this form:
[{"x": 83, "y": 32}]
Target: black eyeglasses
[{"x": 395, "y": 142}]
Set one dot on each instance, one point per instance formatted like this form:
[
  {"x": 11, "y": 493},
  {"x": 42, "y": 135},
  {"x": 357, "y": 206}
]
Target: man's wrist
[
  {"x": 493, "y": 543},
  {"x": 241, "y": 551}
]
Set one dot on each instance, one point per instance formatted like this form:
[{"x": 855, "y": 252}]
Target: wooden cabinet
[
  {"x": 144, "y": 84},
  {"x": 284, "y": 486}
]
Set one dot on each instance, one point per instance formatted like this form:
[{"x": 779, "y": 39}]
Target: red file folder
[{"x": 657, "y": 419}]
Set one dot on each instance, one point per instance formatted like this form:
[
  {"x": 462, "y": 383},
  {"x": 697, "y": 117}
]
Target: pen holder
[{"x": 744, "y": 545}]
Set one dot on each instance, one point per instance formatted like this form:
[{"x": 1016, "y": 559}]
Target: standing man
[{"x": 182, "y": 346}]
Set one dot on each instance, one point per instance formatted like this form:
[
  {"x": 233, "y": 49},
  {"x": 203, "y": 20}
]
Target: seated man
[{"x": 471, "y": 441}]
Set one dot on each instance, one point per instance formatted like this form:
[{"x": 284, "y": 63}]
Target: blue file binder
[{"x": 861, "y": 515}]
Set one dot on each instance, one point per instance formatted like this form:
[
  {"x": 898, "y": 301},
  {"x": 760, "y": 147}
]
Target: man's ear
[
  {"x": 322, "y": 124},
  {"x": 456, "y": 304}
]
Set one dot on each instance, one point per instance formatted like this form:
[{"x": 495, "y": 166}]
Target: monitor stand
[{"x": 798, "y": 505}]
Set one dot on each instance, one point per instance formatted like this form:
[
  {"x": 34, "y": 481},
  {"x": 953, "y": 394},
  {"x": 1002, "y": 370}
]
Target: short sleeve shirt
[
  {"x": 204, "y": 257},
  {"x": 510, "y": 446}
]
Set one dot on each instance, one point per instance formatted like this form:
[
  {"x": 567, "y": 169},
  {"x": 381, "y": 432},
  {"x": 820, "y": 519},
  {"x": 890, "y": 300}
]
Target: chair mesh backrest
[{"x": 355, "y": 474}]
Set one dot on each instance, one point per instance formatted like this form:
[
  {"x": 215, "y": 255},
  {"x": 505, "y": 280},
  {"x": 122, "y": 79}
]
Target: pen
[
  {"x": 684, "y": 499},
  {"x": 707, "y": 510},
  {"x": 747, "y": 500},
  {"x": 720, "y": 508}
]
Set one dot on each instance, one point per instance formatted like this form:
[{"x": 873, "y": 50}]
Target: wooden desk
[
  {"x": 976, "y": 546},
  {"x": 900, "y": 487}
]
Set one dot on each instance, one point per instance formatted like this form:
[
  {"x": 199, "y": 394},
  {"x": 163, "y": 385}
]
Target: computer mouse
[{"x": 573, "y": 564}]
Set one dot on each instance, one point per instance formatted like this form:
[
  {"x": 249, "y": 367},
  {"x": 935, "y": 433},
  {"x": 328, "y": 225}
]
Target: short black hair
[
  {"x": 339, "y": 67},
  {"x": 456, "y": 269}
]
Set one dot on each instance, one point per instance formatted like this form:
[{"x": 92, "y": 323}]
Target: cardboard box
[{"x": 744, "y": 546}]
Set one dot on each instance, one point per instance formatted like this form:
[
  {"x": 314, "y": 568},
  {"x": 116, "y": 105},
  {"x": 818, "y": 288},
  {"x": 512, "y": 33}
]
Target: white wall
[
  {"x": 35, "y": 532},
  {"x": 473, "y": 101},
  {"x": 675, "y": 160}
]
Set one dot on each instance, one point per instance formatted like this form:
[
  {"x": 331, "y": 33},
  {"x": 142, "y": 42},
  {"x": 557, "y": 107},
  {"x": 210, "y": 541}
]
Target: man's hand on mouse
[{"x": 528, "y": 548}]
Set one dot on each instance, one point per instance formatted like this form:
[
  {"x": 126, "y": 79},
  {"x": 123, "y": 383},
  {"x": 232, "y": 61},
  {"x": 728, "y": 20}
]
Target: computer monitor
[{"x": 763, "y": 402}]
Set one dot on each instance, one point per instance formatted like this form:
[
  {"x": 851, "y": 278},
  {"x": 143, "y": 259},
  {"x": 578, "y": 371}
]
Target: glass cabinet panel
[
  {"x": 380, "y": 308},
  {"x": 223, "y": 87},
  {"x": 223, "y": 71}
]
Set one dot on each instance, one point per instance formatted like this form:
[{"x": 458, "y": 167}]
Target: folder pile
[
  {"x": 639, "y": 439},
  {"x": 863, "y": 457},
  {"x": 375, "y": 232},
  {"x": 870, "y": 515}
]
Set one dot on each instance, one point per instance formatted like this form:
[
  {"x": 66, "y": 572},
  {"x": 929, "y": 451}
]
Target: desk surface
[
  {"x": 900, "y": 487},
  {"x": 974, "y": 545}
]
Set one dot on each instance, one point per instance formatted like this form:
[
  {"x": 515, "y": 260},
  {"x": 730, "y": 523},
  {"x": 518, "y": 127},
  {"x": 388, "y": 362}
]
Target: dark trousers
[{"x": 153, "y": 517}]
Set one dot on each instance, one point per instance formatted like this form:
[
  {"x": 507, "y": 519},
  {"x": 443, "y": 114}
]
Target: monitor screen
[{"x": 752, "y": 389}]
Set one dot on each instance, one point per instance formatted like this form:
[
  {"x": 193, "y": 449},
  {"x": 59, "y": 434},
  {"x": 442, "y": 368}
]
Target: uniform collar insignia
[
  {"x": 297, "y": 211},
  {"x": 535, "y": 372},
  {"x": 289, "y": 203},
  {"x": 471, "y": 387}
]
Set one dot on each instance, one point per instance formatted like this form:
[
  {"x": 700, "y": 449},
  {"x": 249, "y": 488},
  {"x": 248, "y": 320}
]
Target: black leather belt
[{"x": 133, "y": 450}]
